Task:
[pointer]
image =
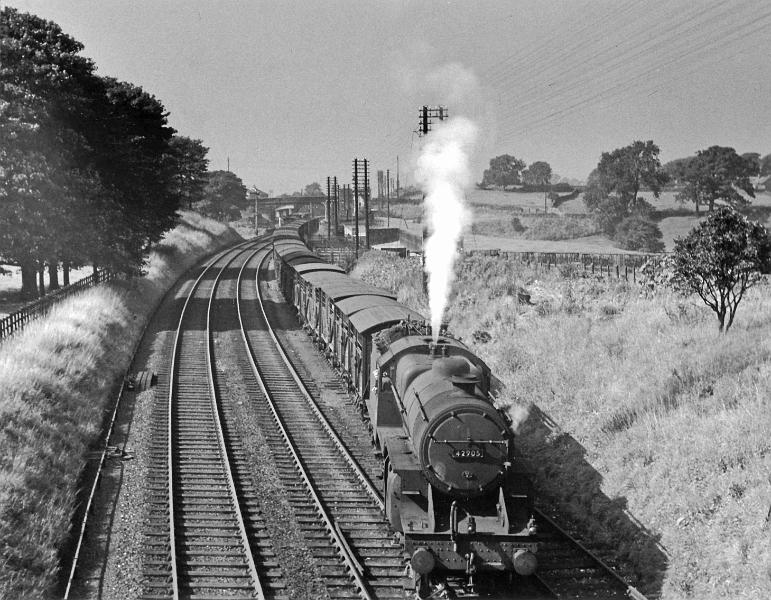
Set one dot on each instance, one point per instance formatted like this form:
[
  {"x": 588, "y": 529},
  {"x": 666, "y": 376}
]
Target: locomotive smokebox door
[{"x": 465, "y": 451}]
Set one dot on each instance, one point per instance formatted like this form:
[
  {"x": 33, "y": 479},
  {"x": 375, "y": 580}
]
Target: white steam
[{"x": 443, "y": 173}]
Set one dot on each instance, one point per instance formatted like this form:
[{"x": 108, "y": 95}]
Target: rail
[
  {"x": 16, "y": 321},
  {"x": 352, "y": 564}
]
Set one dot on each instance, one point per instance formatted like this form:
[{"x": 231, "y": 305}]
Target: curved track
[
  {"x": 206, "y": 536},
  {"x": 333, "y": 498},
  {"x": 197, "y": 545}
]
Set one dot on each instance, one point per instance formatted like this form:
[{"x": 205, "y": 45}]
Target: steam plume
[{"x": 443, "y": 173}]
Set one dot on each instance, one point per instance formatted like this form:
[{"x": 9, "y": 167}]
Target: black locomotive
[{"x": 453, "y": 487}]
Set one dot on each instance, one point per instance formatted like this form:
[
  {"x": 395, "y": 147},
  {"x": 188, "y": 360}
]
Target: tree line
[
  {"x": 90, "y": 170},
  {"x": 715, "y": 175}
]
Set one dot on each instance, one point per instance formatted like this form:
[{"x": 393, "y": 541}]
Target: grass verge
[
  {"x": 647, "y": 430},
  {"x": 56, "y": 380}
]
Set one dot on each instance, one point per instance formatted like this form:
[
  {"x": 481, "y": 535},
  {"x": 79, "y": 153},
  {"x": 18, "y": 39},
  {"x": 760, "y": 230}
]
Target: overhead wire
[{"x": 738, "y": 32}]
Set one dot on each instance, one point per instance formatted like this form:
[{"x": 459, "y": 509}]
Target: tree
[
  {"x": 721, "y": 258},
  {"x": 676, "y": 169},
  {"x": 612, "y": 190},
  {"x": 625, "y": 171},
  {"x": 717, "y": 173},
  {"x": 223, "y": 191},
  {"x": 41, "y": 79},
  {"x": 86, "y": 169},
  {"x": 190, "y": 166},
  {"x": 313, "y": 189},
  {"x": 504, "y": 170},
  {"x": 539, "y": 173}
]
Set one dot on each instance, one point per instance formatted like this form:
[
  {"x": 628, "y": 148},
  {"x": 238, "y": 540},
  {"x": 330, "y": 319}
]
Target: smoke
[{"x": 444, "y": 174}]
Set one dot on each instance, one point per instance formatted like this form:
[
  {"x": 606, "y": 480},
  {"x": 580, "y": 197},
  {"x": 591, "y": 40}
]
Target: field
[
  {"x": 644, "y": 427},
  {"x": 56, "y": 378},
  {"x": 492, "y": 213}
]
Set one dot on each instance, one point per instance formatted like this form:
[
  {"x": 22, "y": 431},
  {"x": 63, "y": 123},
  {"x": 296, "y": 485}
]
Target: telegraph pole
[
  {"x": 356, "y": 202},
  {"x": 328, "y": 215},
  {"x": 426, "y": 113},
  {"x": 388, "y": 196},
  {"x": 337, "y": 203},
  {"x": 366, "y": 204},
  {"x": 397, "y": 178}
]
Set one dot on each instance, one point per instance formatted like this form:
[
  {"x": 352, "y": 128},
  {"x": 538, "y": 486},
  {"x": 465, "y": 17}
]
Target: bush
[{"x": 639, "y": 233}]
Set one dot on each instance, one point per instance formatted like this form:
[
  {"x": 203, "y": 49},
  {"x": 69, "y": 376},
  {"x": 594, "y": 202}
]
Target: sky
[{"x": 291, "y": 92}]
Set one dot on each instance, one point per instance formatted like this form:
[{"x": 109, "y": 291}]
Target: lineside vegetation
[
  {"x": 645, "y": 428},
  {"x": 56, "y": 379}
]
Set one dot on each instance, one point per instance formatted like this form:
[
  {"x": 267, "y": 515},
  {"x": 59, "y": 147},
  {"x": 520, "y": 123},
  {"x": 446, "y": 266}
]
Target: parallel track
[
  {"x": 197, "y": 545},
  {"x": 333, "y": 499}
]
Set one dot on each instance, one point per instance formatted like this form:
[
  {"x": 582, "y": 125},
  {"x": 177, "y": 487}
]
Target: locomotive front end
[{"x": 454, "y": 486}]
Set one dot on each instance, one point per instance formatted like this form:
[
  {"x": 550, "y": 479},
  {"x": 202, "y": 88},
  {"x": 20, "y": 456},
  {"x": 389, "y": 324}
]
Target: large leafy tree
[
  {"x": 85, "y": 161},
  {"x": 625, "y": 171},
  {"x": 190, "y": 169},
  {"x": 504, "y": 170},
  {"x": 538, "y": 173},
  {"x": 718, "y": 173},
  {"x": 613, "y": 189},
  {"x": 721, "y": 258},
  {"x": 41, "y": 99},
  {"x": 224, "y": 193}
]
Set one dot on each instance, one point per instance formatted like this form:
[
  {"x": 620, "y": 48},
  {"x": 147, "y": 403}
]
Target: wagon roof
[
  {"x": 337, "y": 285},
  {"x": 318, "y": 266},
  {"x": 300, "y": 257},
  {"x": 283, "y": 244},
  {"x": 378, "y": 317},
  {"x": 348, "y": 306}
]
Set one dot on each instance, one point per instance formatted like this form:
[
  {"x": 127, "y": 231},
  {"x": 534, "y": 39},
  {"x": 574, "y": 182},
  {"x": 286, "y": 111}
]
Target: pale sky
[{"x": 293, "y": 91}]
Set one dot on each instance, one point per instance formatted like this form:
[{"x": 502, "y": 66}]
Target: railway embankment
[
  {"x": 57, "y": 379},
  {"x": 646, "y": 429}
]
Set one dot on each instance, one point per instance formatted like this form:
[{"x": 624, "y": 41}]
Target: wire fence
[{"x": 16, "y": 321}]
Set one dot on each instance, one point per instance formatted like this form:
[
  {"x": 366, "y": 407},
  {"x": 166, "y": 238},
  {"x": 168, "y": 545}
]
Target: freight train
[{"x": 454, "y": 489}]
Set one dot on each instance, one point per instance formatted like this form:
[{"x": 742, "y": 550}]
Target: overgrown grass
[
  {"x": 647, "y": 430},
  {"x": 56, "y": 380}
]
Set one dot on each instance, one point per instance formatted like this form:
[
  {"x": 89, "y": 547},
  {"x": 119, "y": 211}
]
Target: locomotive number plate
[{"x": 468, "y": 453}]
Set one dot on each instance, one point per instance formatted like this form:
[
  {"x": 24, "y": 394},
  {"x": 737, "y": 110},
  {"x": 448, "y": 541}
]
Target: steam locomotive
[{"x": 454, "y": 489}]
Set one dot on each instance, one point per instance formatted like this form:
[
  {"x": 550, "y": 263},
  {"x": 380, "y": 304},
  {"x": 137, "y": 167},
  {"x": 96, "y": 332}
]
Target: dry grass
[
  {"x": 647, "y": 430},
  {"x": 56, "y": 380}
]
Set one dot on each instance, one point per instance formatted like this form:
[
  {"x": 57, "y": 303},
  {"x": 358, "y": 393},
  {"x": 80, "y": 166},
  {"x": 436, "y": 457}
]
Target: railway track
[
  {"x": 206, "y": 536},
  {"x": 337, "y": 507},
  {"x": 567, "y": 569},
  {"x": 203, "y": 537}
]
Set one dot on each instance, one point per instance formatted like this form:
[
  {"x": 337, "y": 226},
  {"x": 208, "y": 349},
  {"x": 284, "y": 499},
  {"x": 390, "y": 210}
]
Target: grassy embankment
[
  {"x": 56, "y": 379},
  {"x": 646, "y": 429}
]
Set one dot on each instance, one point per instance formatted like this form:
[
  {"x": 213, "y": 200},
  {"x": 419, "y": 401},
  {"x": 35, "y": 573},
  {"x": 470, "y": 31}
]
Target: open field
[
  {"x": 10, "y": 286},
  {"x": 56, "y": 378},
  {"x": 645, "y": 428},
  {"x": 493, "y": 211}
]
